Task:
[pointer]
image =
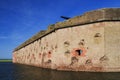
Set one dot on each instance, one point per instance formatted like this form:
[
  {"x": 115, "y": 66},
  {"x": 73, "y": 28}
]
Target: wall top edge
[{"x": 105, "y": 14}]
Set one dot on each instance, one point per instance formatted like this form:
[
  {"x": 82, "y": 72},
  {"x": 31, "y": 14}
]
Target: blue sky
[{"x": 20, "y": 19}]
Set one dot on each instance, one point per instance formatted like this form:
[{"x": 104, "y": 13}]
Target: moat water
[{"x": 10, "y": 71}]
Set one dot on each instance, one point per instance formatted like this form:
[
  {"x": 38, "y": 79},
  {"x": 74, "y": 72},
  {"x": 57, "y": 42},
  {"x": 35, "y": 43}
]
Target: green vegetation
[{"x": 5, "y": 60}]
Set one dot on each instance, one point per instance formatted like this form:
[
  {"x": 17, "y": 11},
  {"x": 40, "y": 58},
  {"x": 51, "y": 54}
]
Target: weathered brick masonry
[{"x": 90, "y": 42}]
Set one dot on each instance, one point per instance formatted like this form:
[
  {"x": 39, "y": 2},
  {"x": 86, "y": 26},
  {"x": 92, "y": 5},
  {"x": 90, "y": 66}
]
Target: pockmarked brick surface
[{"x": 84, "y": 43}]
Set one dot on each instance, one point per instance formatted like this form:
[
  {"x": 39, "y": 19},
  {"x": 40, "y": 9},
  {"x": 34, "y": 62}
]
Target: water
[{"x": 10, "y": 71}]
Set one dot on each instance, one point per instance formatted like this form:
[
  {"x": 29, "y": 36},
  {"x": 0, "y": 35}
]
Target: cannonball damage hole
[
  {"x": 79, "y": 52},
  {"x": 97, "y": 35}
]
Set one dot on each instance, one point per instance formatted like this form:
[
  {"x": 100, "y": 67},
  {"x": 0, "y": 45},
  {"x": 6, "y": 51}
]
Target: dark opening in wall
[
  {"x": 97, "y": 38},
  {"x": 67, "y": 52},
  {"x": 97, "y": 35},
  {"x": 56, "y": 46},
  {"x": 49, "y": 52},
  {"x": 74, "y": 60},
  {"x": 79, "y": 52},
  {"x": 82, "y": 42},
  {"x": 66, "y": 43},
  {"x": 89, "y": 61},
  {"x": 49, "y": 61}
]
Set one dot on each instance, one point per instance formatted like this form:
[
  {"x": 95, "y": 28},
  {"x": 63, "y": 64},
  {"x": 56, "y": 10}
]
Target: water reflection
[
  {"x": 9, "y": 71},
  {"x": 23, "y": 72}
]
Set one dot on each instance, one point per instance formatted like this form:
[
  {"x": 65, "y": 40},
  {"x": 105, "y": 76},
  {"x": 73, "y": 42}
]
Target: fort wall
[{"x": 84, "y": 43}]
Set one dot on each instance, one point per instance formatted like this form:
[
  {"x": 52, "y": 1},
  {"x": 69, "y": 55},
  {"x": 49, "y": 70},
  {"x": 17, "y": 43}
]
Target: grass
[{"x": 5, "y": 60}]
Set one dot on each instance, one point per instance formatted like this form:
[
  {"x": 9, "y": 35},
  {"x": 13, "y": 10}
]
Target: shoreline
[{"x": 5, "y": 60}]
